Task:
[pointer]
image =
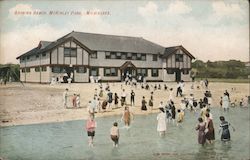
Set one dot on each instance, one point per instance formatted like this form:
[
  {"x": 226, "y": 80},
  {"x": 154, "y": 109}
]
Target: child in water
[
  {"x": 224, "y": 126},
  {"x": 114, "y": 134},
  {"x": 90, "y": 127},
  {"x": 180, "y": 117},
  {"x": 126, "y": 117}
]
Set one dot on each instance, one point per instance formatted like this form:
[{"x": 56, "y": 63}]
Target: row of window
[
  {"x": 61, "y": 69},
  {"x": 172, "y": 71},
  {"x": 125, "y": 56},
  {"x": 37, "y": 69},
  {"x": 72, "y": 52},
  {"x": 94, "y": 71}
]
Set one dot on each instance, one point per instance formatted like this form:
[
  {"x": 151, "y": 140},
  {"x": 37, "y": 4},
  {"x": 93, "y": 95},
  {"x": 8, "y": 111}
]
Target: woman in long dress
[
  {"x": 201, "y": 128},
  {"x": 173, "y": 112},
  {"x": 225, "y": 102},
  {"x": 162, "y": 125},
  {"x": 209, "y": 129},
  {"x": 143, "y": 104}
]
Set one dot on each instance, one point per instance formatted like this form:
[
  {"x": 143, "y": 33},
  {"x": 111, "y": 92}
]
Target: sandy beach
[{"x": 43, "y": 103}]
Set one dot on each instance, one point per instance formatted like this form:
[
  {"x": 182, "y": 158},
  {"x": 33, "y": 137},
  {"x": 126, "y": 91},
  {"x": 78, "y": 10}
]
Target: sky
[{"x": 210, "y": 30}]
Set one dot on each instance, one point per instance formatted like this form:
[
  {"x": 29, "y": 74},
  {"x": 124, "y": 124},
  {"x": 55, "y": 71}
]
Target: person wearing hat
[{"x": 162, "y": 125}]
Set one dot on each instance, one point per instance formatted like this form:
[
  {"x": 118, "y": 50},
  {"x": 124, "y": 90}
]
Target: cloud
[
  {"x": 227, "y": 10},
  {"x": 205, "y": 42},
  {"x": 19, "y": 41},
  {"x": 22, "y": 10},
  {"x": 150, "y": 9},
  {"x": 178, "y": 7}
]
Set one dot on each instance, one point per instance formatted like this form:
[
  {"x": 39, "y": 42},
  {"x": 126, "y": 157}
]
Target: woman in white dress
[
  {"x": 162, "y": 125},
  {"x": 225, "y": 102}
]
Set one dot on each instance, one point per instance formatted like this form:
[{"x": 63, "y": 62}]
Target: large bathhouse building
[{"x": 82, "y": 55}]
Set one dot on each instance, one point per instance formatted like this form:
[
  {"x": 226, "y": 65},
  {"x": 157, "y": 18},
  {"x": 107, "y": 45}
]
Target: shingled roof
[{"x": 102, "y": 42}]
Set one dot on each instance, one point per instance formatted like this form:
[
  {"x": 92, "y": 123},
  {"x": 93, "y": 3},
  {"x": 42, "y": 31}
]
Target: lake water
[{"x": 68, "y": 140}]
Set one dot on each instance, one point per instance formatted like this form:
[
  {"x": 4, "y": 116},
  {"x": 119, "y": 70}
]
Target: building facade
[{"x": 82, "y": 55}]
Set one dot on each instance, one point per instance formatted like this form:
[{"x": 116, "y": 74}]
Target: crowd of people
[{"x": 170, "y": 112}]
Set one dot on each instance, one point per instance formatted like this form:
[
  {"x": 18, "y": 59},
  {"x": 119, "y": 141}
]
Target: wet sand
[{"x": 43, "y": 103}]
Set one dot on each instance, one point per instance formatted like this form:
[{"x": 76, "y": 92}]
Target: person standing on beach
[
  {"x": 90, "y": 127},
  {"x": 209, "y": 129},
  {"x": 74, "y": 101},
  {"x": 116, "y": 100},
  {"x": 227, "y": 94},
  {"x": 206, "y": 83},
  {"x": 151, "y": 101},
  {"x": 110, "y": 99},
  {"x": 173, "y": 112},
  {"x": 132, "y": 98},
  {"x": 143, "y": 104},
  {"x": 201, "y": 128},
  {"x": 123, "y": 97},
  {"x": 170, "y": 97},
  {"x": 179, "y": 91},
  {"x": 91, "y": 109},
  {"x": 224, "y": 126},
  {"x": 114, "y": 134},
  {"x": 65, "y": 98},
  {"x": 161, "y": 125},
  {"x": 78, "y": 100}
]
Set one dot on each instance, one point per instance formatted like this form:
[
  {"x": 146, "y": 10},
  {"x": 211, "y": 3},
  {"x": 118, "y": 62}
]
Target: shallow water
[{"x": 68, "y": 140}]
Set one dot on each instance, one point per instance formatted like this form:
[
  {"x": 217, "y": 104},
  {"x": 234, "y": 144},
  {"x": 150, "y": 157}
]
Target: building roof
[
  {"x": 102, "y": 42},
  {"x": 171, "y": 50},
  {"x": 41, "y": 45}
]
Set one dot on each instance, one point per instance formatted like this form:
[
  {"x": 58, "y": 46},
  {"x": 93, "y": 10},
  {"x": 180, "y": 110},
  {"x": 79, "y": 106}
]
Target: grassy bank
[{"x": 225, "y": 80}]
